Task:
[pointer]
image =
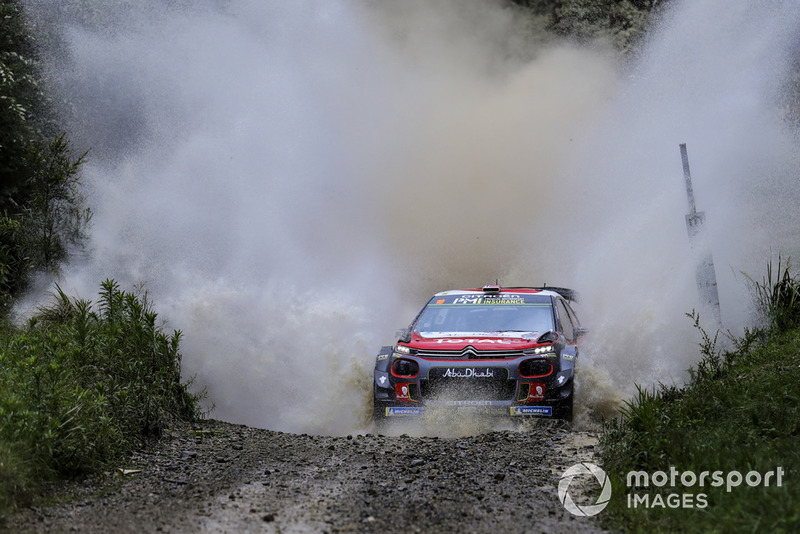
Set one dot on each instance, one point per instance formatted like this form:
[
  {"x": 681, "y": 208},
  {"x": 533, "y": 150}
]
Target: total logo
[{"x": 566, "y": 479}]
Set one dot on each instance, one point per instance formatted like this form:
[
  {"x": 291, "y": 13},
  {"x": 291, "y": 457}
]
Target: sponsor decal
[
  {"x": 382, "y": 356},
  {"x": 460, "y": 337},
  {"x": 585, "y": 468},
  {"x": 532, "y": 410},
  {"x": 468, "y": 372},
  {"x": 382, "y": 379},
  {"x": 403, "y": 410},
  {"x": 482, "y": 373},
  {"x": 401, "y": 392},
  {"x": 565, "y": 356},
  {"x": 535, "y": 393},
  {"x": 492, "y": 300},
  {"x": 495, "y": 302},
  {"x": 477, "y": 340}
]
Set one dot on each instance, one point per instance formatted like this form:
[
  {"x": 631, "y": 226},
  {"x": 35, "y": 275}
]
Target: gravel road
[{"x": 219, "y": 477}]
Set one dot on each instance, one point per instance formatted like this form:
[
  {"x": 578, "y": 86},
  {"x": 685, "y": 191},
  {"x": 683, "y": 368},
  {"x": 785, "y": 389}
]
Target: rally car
[{"x": 508, "y": 351}]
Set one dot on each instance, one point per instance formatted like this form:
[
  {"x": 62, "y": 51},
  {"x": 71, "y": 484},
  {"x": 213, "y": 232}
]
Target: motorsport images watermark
[
  {"x": 678, "y": 498},
  {"x": 584, "y": 468}
]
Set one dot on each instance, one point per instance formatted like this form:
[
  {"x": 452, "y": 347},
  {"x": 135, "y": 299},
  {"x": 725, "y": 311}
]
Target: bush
[{"x": 79, "y": 387}]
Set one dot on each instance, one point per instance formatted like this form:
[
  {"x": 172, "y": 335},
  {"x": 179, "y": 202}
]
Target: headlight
[
  {"x": 402, "y": 349},
  {"x": 543, "y": 350}
]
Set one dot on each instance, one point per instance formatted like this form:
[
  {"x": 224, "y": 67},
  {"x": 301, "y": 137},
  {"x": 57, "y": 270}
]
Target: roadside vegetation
[
  {"x": 80, "y": 383},
  {"x": 42, "y": 212},
  {"x": 739, "y": 412}
]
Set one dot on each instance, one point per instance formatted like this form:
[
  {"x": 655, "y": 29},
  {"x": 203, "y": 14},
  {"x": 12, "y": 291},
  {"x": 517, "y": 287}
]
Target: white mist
[{"x": 291, "y": 181}]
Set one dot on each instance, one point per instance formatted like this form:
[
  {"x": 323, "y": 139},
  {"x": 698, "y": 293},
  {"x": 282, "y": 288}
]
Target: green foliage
[
  {"x": 711, "y": 365},
  {"x": 740, "y": 411},
  {"x": 12, "y": 260},
  {"x": 80, "y": 386},
  {"x": 55, "y": 215},
  {"x": 623, "y": 23},
  {"x": 24, "y": 118},
  {"x": 50, "y": 218},
  {"x": 777, "y": 297},
  {"x": 42, "y": 212}
]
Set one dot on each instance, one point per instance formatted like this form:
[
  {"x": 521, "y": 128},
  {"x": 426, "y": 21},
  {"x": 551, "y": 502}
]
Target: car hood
[{"x": 479, "y": 340}]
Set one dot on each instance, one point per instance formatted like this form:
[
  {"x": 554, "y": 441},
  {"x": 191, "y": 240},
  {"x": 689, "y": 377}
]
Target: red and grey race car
[{"x": 508, "y": 351}]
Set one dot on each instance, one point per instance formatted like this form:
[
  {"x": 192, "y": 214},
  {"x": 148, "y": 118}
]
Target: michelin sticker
[
  {"x": 402, "y": 410},
  {"x": 532, "y": 410}
]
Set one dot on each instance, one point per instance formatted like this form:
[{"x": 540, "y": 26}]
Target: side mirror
[
  {"x": 404, "y": 334},
  {"x": 548, "y": 337},
  {"x": 580, "y": 332}
]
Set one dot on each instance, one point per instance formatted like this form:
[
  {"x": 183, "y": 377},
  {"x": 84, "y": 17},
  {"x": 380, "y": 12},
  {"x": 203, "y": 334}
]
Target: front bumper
[{"x": 485, "y": 388}]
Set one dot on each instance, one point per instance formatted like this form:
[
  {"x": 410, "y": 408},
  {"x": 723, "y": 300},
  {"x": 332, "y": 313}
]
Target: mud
[{"x": 220, "y": 477}]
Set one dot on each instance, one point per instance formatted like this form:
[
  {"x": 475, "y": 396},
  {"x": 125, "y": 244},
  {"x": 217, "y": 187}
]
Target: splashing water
[{"x": 291, "y": 181}]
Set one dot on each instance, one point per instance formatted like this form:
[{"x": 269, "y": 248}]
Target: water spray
[{"x": 243, "y": 181}]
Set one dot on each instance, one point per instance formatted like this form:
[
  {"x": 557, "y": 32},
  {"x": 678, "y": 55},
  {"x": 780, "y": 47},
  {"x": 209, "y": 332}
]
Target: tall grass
[
  {"x": 777, "y": 296},
  {"x": 739, "y": 411},
  {"x": 81, "y": 384}
]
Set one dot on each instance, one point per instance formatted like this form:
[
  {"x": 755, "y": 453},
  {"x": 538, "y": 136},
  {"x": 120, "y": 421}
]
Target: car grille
[
  {"x": 468, "y": 353},
  {"x": 444, "y": 388}
]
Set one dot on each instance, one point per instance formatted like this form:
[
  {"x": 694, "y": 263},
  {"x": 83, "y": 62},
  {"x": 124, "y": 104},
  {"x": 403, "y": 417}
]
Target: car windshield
[{"x": 476, "y": 313}]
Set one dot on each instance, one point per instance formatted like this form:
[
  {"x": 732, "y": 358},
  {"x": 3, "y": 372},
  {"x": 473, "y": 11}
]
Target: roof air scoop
[{"x": 492, "y": 289}]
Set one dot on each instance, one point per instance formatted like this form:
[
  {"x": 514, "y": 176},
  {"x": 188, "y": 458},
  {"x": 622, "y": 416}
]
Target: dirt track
[{"x": 219, "y": 477}]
